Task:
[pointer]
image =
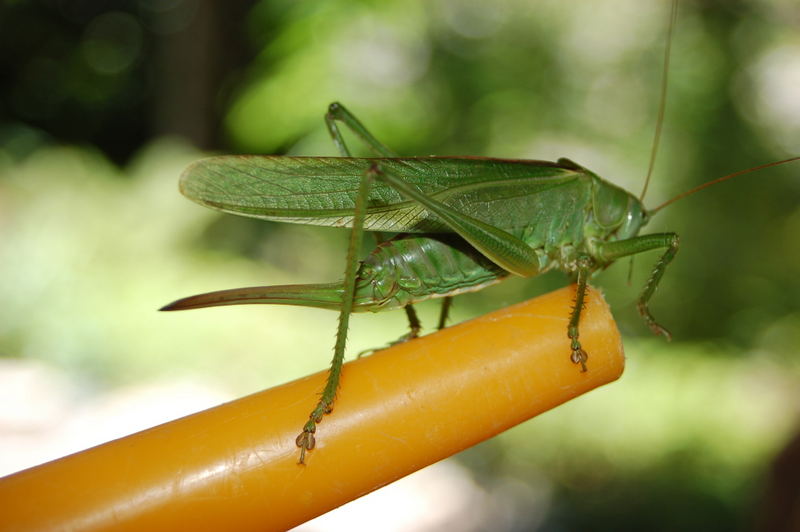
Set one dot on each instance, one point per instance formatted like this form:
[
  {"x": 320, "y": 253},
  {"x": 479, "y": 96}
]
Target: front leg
[
  {"x": 611, "y": 251},
  {"x": 652, "y": 283}
]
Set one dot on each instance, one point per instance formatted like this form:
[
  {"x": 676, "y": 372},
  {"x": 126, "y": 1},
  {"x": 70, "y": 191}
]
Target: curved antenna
[
  {"x": 662, "y": 104},
  {"x": 720, "y": 180}
]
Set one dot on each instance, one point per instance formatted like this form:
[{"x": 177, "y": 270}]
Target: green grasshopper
[{"x": 461, "y": 224}]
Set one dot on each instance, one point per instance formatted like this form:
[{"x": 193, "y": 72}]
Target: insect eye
[{"x": 610, "y": 204}]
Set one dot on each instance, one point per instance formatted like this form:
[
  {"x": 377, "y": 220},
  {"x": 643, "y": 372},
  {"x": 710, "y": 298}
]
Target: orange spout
[{"x": 234, "y": 467}]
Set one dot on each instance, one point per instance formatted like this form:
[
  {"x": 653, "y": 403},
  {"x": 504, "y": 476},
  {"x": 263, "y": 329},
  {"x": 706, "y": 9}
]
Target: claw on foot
[
  {"x": 579, "y": 356},
  {"x": 306, "y": 440},
  {"x": 651, "y": 322},
  {"x": 659, "y": 330},
  {"x": 405, "y": 338}
]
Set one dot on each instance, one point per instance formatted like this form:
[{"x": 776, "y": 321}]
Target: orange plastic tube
[{"x": 234, "y": 467}]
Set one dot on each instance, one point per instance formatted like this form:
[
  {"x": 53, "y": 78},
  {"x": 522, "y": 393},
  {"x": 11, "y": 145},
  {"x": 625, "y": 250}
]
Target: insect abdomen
[{"x": 408, "y": 269}]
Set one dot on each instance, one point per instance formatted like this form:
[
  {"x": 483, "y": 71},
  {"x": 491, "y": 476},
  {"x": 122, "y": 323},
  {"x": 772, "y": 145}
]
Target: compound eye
[{"x": 610, "y": 204}]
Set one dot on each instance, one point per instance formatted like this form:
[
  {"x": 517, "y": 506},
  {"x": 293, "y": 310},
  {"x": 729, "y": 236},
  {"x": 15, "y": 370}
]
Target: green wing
[{"x": 321, "y": 190}]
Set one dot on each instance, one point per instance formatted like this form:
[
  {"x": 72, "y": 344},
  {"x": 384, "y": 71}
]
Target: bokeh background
[{"x": 103, "y": 103}]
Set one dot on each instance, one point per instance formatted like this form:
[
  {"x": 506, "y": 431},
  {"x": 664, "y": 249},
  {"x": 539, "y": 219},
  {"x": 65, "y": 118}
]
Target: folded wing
[{"x": 321, "y": 190}]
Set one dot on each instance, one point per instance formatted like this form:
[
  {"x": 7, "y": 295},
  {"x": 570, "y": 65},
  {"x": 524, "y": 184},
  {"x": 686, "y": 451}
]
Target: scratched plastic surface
[{"x": 234, "y": 467}]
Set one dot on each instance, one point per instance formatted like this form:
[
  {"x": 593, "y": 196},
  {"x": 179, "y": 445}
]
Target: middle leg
[{"x": 579, "y": 355}]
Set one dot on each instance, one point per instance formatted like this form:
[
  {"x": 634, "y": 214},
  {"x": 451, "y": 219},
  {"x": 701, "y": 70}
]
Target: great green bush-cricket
[{"x": 459, "y": 224}]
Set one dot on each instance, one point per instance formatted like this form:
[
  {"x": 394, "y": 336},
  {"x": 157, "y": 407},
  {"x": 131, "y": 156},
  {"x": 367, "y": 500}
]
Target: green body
[
  {"x": 462, "y": 223},
  {"x": 560, "y": 210}
]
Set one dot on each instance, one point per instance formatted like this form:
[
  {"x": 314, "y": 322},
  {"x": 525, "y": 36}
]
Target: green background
[{"x": 102, "y": 107}]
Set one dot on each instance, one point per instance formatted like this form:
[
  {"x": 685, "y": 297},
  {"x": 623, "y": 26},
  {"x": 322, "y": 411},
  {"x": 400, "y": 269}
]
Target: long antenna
[
  {"x": 720, "y": 180},
  {"x": 662, "y": 104}
]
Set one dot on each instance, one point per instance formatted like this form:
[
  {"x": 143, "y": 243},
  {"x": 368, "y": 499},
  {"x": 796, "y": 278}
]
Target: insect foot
[
  {"x": 651, "y": 322},
  {"x": 403, "y": 339},
  {"x": 306, "y": 439},
  {"x": 579, "y": 356}
]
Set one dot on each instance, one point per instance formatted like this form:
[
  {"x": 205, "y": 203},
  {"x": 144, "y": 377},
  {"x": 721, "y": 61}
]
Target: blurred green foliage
[
  {"x": 537, "y": 80},
  {"x": 89, "y": 249}
]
